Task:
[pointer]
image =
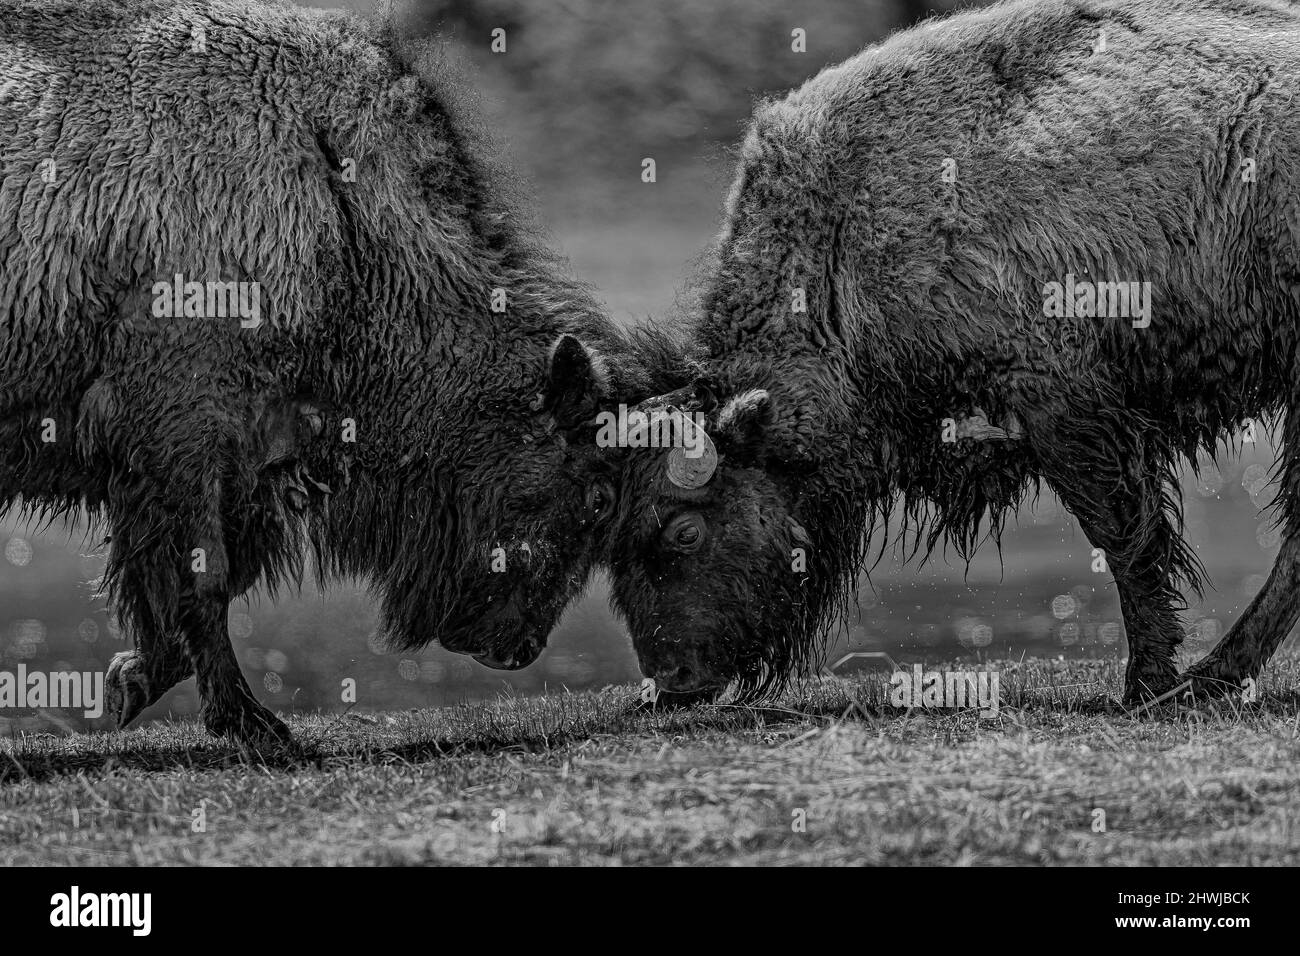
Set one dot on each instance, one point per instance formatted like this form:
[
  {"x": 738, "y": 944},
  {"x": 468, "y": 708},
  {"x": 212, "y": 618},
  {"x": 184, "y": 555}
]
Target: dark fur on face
[
  {"x": 415, "y": 397},
  {"x": 888, "y": 239}
]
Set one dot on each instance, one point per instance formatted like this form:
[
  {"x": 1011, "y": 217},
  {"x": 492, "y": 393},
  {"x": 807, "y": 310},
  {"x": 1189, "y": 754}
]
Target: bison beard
[
  {"x": 880, "y": 278},
  {"x": 381, "y": 413}
]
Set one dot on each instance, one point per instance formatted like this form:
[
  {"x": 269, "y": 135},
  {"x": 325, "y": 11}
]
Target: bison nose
[
  {"x": 520, "y": 657},
  {"x": 680, "y": 680}
]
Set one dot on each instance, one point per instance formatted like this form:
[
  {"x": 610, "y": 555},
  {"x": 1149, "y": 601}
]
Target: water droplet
[
  {"x": 1269, "y": 535},
  {"x": 29, "y": 630},
  {"x": 18, "y": 552},
  {"x": 240, "y": 627},
  {"x": 1254, "y": 479},
  {"x": 1251, "y": 584},
  {"x": 88, "y": 631},
  {"x": 1209, "y": 482},
  {"x": 431, "y": 672},
  {"x": 1063, "y": 606}
]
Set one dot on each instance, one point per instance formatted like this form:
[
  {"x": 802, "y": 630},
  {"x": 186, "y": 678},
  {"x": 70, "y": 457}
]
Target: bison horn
[
  {"x": 691, "y": 473},
  {"x": 977, "y": 426},
  {"x": 689, "y": 398}
]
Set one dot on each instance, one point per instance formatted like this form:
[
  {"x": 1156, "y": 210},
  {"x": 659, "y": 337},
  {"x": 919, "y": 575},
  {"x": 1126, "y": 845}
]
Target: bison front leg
[
  {"x": 229, "y": 707},
  {"x": 158, "y": 661},
  {"x": 1139, "y": 561},
  {"x": 1120, "y": 503},
  {"x": 1154, "y": 632}
]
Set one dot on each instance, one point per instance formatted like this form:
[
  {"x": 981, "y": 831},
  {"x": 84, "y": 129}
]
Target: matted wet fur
[
  {"x": 379, "y": 411},
  {"x": 917, "y": 200}
]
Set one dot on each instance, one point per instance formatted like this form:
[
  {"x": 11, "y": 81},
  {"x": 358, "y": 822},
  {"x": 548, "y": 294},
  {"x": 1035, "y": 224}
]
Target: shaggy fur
[
  {"x": 925, "y": 302},
  {"x": 228, "y": 163}
]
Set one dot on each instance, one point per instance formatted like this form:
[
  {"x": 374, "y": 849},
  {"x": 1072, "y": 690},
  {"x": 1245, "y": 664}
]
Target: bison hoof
[
  {"x": 669, "y": 700},
  {"x": 249, "y": 724},
  {"x": 1213, "y": 679},
  {"x": 126, "y": 688},
  {"x": 1146, "y": 690}
]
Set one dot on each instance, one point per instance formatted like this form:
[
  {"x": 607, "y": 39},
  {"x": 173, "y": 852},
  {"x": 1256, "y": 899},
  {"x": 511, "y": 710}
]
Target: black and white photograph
[{"x": 573, "y": 433}]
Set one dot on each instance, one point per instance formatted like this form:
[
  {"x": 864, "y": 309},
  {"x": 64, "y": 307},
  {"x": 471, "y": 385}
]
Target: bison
[
  {"x": 265, "y": 298},
  {"x": 1052, "y": 242}
]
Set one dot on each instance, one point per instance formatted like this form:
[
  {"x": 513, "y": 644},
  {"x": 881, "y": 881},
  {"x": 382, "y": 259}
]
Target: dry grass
[{"x": 595, "y": 778}]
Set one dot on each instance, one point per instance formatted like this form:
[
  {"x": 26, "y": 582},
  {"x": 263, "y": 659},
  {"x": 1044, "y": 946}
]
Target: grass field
[{"x": 596, "y": 778}]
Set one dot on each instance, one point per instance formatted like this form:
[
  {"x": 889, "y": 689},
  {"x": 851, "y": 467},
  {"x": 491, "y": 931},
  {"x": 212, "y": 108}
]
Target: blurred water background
[{"x": 585, "y": 91}]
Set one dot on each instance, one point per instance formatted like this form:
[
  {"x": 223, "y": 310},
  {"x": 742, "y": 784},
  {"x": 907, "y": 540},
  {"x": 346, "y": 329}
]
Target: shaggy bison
[
  {"x": 1043, "y": 242},
  {"x": 262, "y": 297}
]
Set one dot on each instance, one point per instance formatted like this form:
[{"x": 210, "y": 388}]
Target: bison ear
[
  {"x": 742, "y": 422},
  {"x": 577, "y": 381}
]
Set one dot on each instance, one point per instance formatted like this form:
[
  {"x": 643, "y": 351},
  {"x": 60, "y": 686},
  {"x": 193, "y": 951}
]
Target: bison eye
[
  {"x": 600, "y": 500},
  {"x": 685, "y": 533}
]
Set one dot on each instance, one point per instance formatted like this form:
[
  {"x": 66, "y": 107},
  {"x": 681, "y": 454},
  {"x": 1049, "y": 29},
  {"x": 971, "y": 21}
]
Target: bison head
[
  {"x": 714, "y": 563},
  {"x": 497, "y": 528}
]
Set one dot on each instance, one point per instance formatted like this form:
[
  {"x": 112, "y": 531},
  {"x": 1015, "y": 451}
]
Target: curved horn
[
  {"x": 691, "y": 473},
  {"x": 689, "y": 398}
]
